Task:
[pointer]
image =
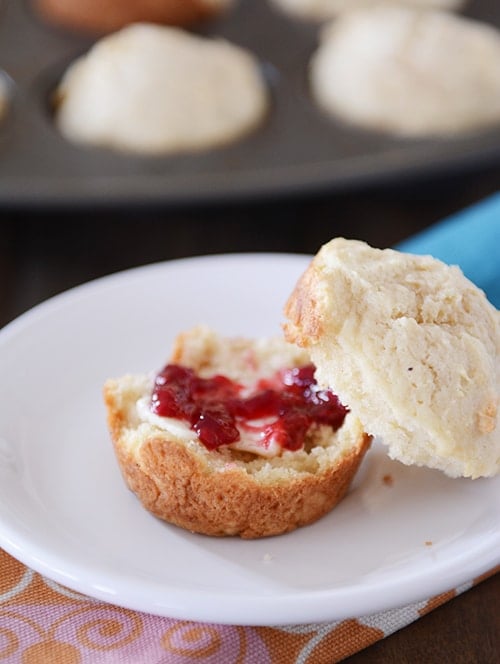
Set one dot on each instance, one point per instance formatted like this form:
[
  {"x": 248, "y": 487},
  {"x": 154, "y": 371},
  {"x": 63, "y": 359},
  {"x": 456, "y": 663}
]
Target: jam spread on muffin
[{"x": 276, "y": 412}]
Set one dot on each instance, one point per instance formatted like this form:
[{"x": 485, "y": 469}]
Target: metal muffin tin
[{"x": 296, "y": 149}]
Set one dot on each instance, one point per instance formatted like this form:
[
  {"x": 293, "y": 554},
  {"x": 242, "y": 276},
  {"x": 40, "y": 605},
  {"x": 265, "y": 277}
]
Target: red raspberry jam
[{"x": 217, "y": 410}]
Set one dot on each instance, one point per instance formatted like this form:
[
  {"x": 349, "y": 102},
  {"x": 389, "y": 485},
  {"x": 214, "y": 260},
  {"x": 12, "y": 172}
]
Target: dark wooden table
[{"x": 43, "y": 252}]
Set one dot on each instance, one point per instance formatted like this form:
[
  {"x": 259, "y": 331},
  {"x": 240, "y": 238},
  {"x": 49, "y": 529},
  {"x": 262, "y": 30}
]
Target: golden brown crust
[
  {"x": 234, "y": 503},
  {"x": 487, "y": 417},
  {"x": 109, "y": 15},
  {"x": 177, "y": 485},
  {"x": 304, "y": 325}
]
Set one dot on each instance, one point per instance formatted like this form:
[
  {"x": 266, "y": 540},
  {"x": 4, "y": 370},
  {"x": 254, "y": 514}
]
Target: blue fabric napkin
[{"x": 469, "y": 239}]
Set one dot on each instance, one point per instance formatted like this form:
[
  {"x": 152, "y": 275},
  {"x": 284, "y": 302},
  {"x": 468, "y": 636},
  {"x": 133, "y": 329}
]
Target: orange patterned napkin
[{"x": 43, "y": 623}]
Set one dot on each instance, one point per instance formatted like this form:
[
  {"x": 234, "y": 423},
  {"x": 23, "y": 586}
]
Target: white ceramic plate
[{"x": 65, "y": 511}]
